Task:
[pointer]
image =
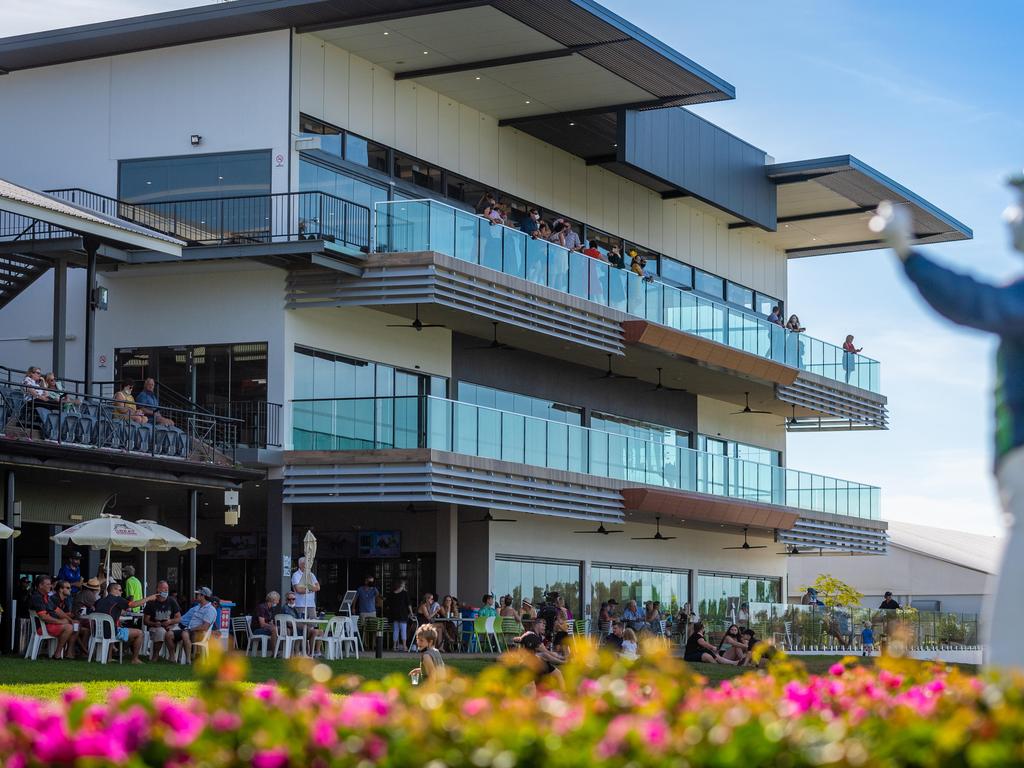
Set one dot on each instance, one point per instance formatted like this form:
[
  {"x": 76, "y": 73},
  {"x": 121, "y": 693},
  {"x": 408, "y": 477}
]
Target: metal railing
[
  {"x": 259, "y": 421},
  {"x": 65, "y": 418},
  {"x": 427, "y": 225},
  {"x": 342, "y": 424},
  {"x": 71, "y": 386},
  {"x": 242, "y": 220},
  {"x": 813, "y": 628}
]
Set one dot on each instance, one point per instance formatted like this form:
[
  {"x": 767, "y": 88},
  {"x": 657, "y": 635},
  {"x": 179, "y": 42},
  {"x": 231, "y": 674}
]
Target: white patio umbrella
[
  {"x": 166, "y": 540},
  {"x": 106, "y": 532},
  {"x": 309, "y": 550}
]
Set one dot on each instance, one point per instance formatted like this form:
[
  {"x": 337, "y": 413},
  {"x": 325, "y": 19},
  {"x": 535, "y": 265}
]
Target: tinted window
[
  {"x": 737, "y": 294},
  {"x": 330, "y": 137},
  {"x": 676, "y": 272},
  {"x": 193, "y": 177},
  {"x": 765, "y": 304},
  {"x": 709, "y": 284},
  {"x": 366, "y": 152},
  {"x": 414, "y": 171}
]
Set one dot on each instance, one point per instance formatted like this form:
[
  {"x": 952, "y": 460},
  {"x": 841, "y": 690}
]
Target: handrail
[
  {"x": 79, "y": 384},
  {"x": 429, "y": 225},
  {"x": 420, "y": 421}
]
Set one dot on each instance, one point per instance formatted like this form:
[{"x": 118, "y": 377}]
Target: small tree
[{"x": 835, "y": 593}]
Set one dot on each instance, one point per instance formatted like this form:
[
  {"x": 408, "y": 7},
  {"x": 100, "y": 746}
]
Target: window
[
  {"x": 708, "y": 284},
  {"x": 765, "y": 303},
  {"x": 366, "y": 152},
  {"x": 525, "y": 405},
  {"x": 738, "y": 450},
  {"x": 413, "y": 171},
  {"x": 465, "y": 190},
  {"x": 676, "y": 272},
  {"x": 624, "y": 583},
  {"x": 330, "y": 137},
  {"x": 605, "y": 240},
  {"x": 532, "y": 579},
  {"x": 737, "y": 294},
  {"x": 194, "y": 177},
  {"x": 726, "y": 598},
  {"x": 638, "y": 430},
  {"x": 314, "y": 177}
]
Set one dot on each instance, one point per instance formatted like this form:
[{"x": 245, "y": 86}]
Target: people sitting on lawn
[
  {"x": 83, "y": 604},
  {"x": 633, "y": 618},
  {"x": 194, "y": 625},
  {"x": 126, "y": 409},
  {"x": 263, "y": 624},
  {"x": 288, "y": 609},
  {"x": 40, "y": 605},
  {"x": 431, "y": 662},
  {"x": 614, "y": 637},
  {"x": 699, "y": 649},
  {"x": 533, "y": 640},
  {"x": 149, "y": 405},
  {"x": 161, "y": 617},
  {"x": 733, "y": 646},
  {"x": 113, "y": 605},
  {"x": 629, "y": 648}
]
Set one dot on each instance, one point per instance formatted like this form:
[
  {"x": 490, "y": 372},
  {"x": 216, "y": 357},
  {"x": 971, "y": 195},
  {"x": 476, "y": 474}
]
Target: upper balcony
[{"x": 427, "y": 449}]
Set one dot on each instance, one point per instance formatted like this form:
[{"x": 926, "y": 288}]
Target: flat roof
[
  {"x": 579, "y": 28},
  {"x": 824, "y": 205}
]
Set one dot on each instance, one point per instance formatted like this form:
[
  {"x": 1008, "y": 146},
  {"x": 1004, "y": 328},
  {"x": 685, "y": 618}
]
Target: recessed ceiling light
[
  {"x": 615, "y": 145},
  {"x": 426, "y": 52},
  {"x": 527, "y": 101},
  {"x": 147, "y": 498},
  {"x": 149, "y": 182},
  {"x": 572, "y": 123},
  {"x": 478, "y": 77},
  {"x": 387, "y": 33},
  {"x": 220, "y": 178}
]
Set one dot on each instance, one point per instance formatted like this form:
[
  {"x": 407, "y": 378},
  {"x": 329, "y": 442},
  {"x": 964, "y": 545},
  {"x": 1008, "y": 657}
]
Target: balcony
[
  {"x": 427, "y": 225},
  {"x": 398, "y": 424}
]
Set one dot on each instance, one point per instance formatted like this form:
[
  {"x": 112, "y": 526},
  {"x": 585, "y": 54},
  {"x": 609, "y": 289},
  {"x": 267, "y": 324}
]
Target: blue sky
[{"x": 927, "y": 93}]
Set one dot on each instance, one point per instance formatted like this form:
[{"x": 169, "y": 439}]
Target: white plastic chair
[
  {"x": 330, "y": 640},
  {"x": 39, "y": 637},
  {"x": 102, "y": 637},
  {"x": 199, "y": 645},
  {"x": 349, "y": 636},
  {"x": 288, "y": 636},
  {"x": 256, "y": 642}
]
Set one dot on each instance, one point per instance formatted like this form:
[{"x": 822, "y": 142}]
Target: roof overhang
[
  {"x": 555, "y": 55},
  {"x": 824, "y": 206},
  {"x": 23, "y": 205}
]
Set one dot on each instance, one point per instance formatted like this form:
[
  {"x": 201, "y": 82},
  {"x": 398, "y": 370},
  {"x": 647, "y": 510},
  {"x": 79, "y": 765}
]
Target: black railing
[
  {"x": 259, "y": 422},
  {"x": 244, "y": 220},
  {"x": 71, "y": 386},
  {"x": 30, "y": 412}
]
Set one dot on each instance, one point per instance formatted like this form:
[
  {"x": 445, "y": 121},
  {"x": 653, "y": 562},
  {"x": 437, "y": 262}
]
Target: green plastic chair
[
  {"x": 510, "y": 628},
  {"x": 480, "y": 631}
]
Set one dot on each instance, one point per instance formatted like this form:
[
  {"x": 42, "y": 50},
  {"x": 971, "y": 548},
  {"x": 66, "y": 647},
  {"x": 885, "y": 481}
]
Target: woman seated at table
[
  {"x": 527, "y": 612},
  {"x": 448, "y": 626},
  {"x": 428, "y": 609},
  {"x": 507, "y": 611}
]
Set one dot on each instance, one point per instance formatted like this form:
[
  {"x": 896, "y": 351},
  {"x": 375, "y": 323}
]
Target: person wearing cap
[
  {"x": 529, "y": 613},
  {"x": 160, "y": 617},
  {"x": 194, "y": 624},
  {"x": 888, "y": 604},
  {"x": 132, "y": 586},
  {"x": 71, "y": 571},
  {"x": 113, "y": 605}
]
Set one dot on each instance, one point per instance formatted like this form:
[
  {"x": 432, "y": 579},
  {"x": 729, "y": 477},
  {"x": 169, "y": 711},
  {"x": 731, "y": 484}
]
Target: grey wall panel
[
  {"x": 546, "y": 377},
  {"x": 700, "y": 158}
]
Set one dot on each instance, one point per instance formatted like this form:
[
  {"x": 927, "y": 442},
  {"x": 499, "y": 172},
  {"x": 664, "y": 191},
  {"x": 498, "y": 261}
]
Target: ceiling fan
[
  {"x": 417, "y": 324},
  {"x": 791, "y": 420},
  {"x": 489, "y": 518},
  {"x": 657, "y": 534},
  {"x": 747, "y": 545},
  {"x": 746, "y": 408},
  {"x": 600, "y": 529},
  {"x": 659, "y": 387},
  {"x": 610, "y": 374},
  {"x": 495, "y": 344}
]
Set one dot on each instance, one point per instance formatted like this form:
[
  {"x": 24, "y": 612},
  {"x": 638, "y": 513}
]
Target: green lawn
[{"x": 47, "y": 679}]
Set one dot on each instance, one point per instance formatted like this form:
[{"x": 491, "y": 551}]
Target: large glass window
[
  {"x": 532, "y": 579},
  {"x": 193, "y": 177},
  {"x": 314, "y": 177},
  {"x": 765, "y": 304},
  {"x": 346, "y": 404},
  {"x": 366, "y": 152},
  {"x": 638, "y": 430},
  {"x": 489, "y": 397},
  {"x": 709, "y": 284},
  {"x": 413, "y": 171},
  {"x": 676, "y": 272},
  {"x": 669, "y": 587},
  {"x": 724, "y": 598},
  {"x": 740, "y": 296},
  {"x": 330, "y": 137},
  {"x": 739, "y": 450}
]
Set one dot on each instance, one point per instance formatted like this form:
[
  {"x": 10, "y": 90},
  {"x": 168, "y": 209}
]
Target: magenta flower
[
  {"x": 836, "y": 669},
  {"x": 270, "y": 758}
]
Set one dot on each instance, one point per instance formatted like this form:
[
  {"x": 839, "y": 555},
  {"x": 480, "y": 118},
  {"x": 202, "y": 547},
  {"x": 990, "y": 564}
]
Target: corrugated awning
[{"x": 60, "y": 504}]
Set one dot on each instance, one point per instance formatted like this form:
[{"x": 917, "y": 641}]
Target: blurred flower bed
[{"x": 652, "y": 712}]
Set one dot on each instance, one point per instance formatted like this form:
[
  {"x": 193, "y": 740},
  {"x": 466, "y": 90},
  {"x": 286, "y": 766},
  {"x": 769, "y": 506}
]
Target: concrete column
[
  {"x": 60, "y": 317},
  {"x": 475, "y": 561},
  {"x": 447, "y": 568},
  {"x": 53, "y": 550},
  {"x": 586, "y": 609},
  {"x": 91, "y": 559},
  {"x": 193, "y": 531},
  {"x": 7, "y": 574},
  {"x": 279, "y": 539}
]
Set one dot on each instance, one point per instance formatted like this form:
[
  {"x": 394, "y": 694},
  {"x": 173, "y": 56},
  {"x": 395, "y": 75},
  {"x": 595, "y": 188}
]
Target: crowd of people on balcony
[{"x": 561, "y": 232}]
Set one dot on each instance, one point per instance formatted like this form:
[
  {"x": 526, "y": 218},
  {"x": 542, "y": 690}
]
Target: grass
[{"x": 48, "y": 679}]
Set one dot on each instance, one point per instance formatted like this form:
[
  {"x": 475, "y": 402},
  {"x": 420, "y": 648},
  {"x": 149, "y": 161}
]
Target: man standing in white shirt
[{"x": 305, "y": 597}]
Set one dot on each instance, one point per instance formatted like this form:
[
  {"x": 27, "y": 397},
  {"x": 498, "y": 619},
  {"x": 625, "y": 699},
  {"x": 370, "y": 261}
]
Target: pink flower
[
  {"x": 363, "y": 709},
  {"x": 473, "y": 707},
  {"x": 71, "y": 695},
  {"x": 225, "y": 721},
  {"x": 270, "y": 758},
  {"x": 836, "y": 669},
  {"x": 654, "y": 732},
  {"x": 323, "y": 734},
  {"x": 184, "y": 725},
  {"x": 264, "y": 692}
]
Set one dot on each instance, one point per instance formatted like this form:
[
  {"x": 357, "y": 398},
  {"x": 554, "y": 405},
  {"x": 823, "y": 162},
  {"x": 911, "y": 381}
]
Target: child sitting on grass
[
  {"x": 629, "y": 645},
  {"x": 431, "y": 662}
]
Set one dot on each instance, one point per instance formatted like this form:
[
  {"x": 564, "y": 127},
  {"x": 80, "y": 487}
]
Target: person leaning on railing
[{"x": 126, "y": 408}]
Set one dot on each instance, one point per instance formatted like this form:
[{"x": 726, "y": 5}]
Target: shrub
[{"x": 653, "y": 712}]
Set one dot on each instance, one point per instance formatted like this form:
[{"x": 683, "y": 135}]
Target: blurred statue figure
[{"x": 998, "y": 310}]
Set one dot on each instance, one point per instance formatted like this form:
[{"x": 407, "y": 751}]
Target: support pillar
[
  {"x": 54, "y": 551},
  {"x": 91, "y": 246},
  {"x": 60, "y": 318},
  {"x": 91, "y": 561},
  {"x": 193, "y": 531},
  {"x": 279, "y": 539},
  {"x": 7, "y": 575},
  {"x": 447, "y": 567}
]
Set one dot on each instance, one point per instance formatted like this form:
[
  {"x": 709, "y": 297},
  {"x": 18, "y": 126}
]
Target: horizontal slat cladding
[
  {"x": 838, "y": 536},
  {"x": 835, "y": 402},
  {"x": 450, "y": 288},
  {"x": 432, "y": 482}
]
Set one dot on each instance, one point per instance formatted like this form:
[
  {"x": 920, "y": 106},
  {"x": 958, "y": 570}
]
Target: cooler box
[{"x": 225, "y": 614}]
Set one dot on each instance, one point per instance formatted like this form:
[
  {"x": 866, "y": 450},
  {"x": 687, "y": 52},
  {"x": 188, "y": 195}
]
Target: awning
[
  {"x": 824, "y": 206},
  {"x": 61, "y": 504}
]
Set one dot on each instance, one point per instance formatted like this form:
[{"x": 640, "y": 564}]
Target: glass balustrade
[
  {"x": 428, "y": 225},
  {"x": 447, "y": 425}
]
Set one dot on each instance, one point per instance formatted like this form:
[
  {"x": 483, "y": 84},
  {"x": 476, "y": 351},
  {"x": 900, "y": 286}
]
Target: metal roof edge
[
  {"x": 849, "y": 162},
  {"x": 656, "y": 45}
]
